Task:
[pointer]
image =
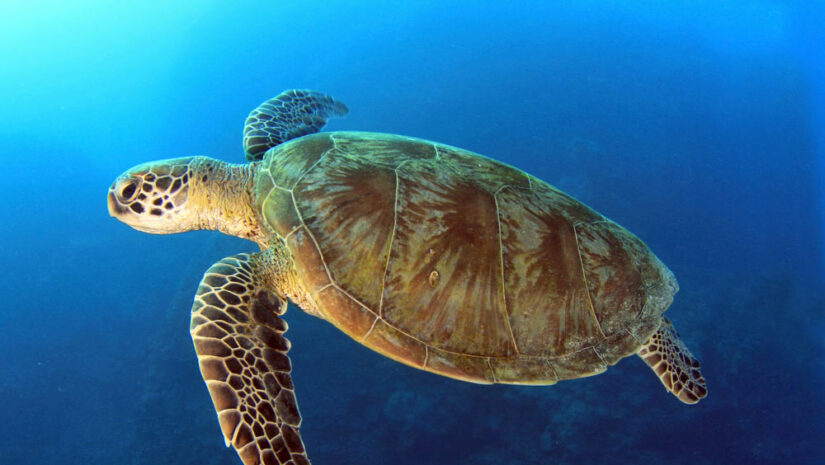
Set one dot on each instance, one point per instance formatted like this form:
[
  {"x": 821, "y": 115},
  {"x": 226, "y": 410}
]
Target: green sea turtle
[{"x": 434, "y": 256}]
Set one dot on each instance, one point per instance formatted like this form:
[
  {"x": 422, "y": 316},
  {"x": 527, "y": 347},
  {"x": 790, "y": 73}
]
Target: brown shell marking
[
  {"x": 547, "y": 297},
  {"x": 348, "y": 206},
  {"x": 385, "y": 150},
  {"x": 458, "y": 264},
  {"x": 294, "y": 158},
  {"x": 448, "y": 225},
  {"x": 486, "y": 172},
  {"x": 616, "y": 295}
]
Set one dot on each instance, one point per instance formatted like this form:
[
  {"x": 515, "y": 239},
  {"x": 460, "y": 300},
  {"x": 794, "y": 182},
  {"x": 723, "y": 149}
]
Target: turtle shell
[{"x": 457, "y": 264}]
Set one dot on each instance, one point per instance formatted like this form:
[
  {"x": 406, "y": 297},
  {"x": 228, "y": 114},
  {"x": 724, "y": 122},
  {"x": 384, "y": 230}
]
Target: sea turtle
[{"x": 436, "y": 257}]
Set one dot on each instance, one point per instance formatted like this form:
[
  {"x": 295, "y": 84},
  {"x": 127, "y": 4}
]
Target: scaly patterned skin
[
  {"x": 239, "y": 339},
  {"x": 678, "y": 369},
  {"x": 291, "y": 114}
]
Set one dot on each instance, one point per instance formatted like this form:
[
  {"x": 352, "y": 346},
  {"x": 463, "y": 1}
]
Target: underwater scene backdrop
[{"x": 698, "y": 125}]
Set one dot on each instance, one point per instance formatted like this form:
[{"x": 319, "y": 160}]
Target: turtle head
[
  {"x": 153, "y": 197},
  {"x": 183, "y": 194}
]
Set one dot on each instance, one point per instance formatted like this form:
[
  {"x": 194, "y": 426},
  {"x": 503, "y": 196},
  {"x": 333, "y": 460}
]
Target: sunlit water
[{"x": 697, "y": 126}]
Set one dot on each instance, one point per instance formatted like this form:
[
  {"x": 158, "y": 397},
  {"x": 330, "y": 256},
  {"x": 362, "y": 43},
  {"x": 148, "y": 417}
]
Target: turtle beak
[
  {"x": 113, "y": 206},
  {"x": 115, "y": 209}
]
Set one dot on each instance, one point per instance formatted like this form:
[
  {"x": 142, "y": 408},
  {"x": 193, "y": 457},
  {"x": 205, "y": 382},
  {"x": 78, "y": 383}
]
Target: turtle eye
[{"x": 127, "y": 189}]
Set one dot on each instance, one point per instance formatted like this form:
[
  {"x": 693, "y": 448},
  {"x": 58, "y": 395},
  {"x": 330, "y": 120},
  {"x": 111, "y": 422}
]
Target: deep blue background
[{"x": 699, "y": 125}]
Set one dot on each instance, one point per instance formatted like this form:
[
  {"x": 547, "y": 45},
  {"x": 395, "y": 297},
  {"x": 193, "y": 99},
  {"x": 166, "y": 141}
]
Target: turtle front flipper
[
  {"x": 293, "y": 113},
  {"x": 676, "y": 367},
  {"x": 239, "y": 339}
]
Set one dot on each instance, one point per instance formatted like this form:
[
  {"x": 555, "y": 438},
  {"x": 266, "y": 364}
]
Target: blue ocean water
[{"x": 699, "y": 126}]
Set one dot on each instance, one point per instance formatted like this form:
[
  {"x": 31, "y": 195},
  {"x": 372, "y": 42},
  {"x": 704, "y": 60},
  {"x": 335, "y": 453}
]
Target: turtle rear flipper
[
  {"x": 293, "y": 113},
  {"x": 239, "y": 339},
  {"x": 676, "y": 367}
]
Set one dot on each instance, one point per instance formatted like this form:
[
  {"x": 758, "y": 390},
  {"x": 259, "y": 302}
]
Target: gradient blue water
[{"x": 698, "y": 125}]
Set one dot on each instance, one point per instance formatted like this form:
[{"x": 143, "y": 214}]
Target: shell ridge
[
  {"x": 367, "y": 334},
  {"x": 492, "y": 371},
  {"x": 599, "y": 354},
  {"x": 265, "y": 223},
  {"x": 312, "y": 167},
  {"x": 551, "y": 368},
  {"x": 392, "y": 239},
  {"x": 586, "y": 283},
  {"x": 335, "y": 284},
  {"x": 633, "y": 336},
  {"x": 301, "y": 217},
  {"x": 502, "y": 289}
]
